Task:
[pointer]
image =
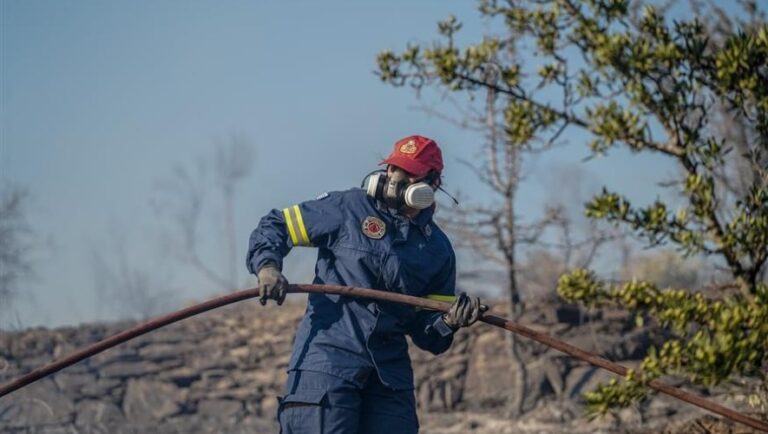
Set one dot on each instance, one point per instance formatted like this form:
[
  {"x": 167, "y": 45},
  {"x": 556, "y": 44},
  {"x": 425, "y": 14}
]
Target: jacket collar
[{"x": 421, "y": 220}]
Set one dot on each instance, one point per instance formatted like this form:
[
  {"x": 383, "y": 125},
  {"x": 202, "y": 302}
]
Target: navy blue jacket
[{"x": 362, "y": 243}]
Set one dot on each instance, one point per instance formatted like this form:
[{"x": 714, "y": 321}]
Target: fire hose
[{"x": 424, "y": 303}]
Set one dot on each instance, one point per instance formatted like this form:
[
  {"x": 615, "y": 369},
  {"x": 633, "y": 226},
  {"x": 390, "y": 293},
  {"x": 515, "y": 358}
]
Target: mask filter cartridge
[
  {"x": 397, "y": 193},
  {"x": 419, "y": 195}
]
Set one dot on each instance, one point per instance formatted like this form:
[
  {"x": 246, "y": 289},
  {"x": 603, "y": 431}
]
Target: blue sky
[{"x": 100, "y": 99}]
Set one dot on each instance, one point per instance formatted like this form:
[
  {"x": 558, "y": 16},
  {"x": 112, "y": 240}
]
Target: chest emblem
[
  {"x": 374, "y": 228},
  {"x": 428, "y": 230}
]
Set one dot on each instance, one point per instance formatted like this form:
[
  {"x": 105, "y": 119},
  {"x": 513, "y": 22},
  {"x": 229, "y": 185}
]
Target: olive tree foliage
[{"x": 630, "y": 77}]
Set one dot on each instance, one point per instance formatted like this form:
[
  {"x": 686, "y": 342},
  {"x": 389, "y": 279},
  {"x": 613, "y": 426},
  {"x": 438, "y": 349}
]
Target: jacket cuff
[
  {"x": 258, "y": 263},
  {"x": 442, "y": 328}
]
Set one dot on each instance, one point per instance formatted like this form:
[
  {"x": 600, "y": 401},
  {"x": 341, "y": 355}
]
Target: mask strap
[
  {"x": 449, "y": 195},
  {"x": 434, "y": 176}
]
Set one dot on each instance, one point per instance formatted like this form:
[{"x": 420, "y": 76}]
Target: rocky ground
[{"x": 222, "y": 371}]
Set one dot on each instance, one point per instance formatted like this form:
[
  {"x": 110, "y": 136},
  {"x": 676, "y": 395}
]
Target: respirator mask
[{"x": 396, "y": 191}]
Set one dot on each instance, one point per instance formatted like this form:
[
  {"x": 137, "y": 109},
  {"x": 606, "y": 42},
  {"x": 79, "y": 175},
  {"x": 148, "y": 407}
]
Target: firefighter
[{"x": 350, "y": 371}]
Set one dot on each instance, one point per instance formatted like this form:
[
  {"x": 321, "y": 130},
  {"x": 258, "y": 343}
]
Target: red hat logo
[{"x": 408, "y": 147}]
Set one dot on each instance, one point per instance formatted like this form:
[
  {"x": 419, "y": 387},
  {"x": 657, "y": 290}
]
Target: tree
[
  {"x": 494, "y": 230},
  {"x": 182, "y": 201},
  {"x": 133, "y": 290},
  {"x": 184, "y": 198},
  {"x": 15, "y": 243},
  {"x": 627, "y": 76}
]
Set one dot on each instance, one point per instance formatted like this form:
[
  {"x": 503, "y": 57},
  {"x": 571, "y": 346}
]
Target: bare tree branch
[
  {"x": 15, "y": 243},
  {"x": 183, "y": 199}
]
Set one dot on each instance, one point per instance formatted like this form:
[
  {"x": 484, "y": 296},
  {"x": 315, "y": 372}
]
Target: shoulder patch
[{"x": 322, "y": 196}]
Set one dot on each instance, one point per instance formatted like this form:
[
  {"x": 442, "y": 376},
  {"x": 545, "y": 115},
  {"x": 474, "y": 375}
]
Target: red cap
[{"x": 417, "y": 155}]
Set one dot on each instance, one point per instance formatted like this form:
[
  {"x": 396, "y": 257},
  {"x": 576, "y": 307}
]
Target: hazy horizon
[{"x": 101, "y": 100}]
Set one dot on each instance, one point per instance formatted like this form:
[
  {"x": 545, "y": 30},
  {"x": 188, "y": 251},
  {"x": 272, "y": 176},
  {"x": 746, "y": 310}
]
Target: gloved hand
[
  {"x": 272, "y": 284},
  {"x": 464, "y": 311}
]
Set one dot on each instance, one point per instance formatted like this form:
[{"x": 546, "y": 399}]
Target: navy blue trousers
[{"x": 319, "y": 403}]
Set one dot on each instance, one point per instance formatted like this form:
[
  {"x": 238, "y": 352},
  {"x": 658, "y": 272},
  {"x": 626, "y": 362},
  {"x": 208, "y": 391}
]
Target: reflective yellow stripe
[
  {"x": 438, "y": 297},
  {"x": 302, "y": 229},
  {"x": 289, "y": 223},
  {"x": 441, "y": 297}
]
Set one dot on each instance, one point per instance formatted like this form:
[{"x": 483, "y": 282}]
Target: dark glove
[
  {"x": 464, "y": 312},
  {"x": 272, "y": 284}
]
